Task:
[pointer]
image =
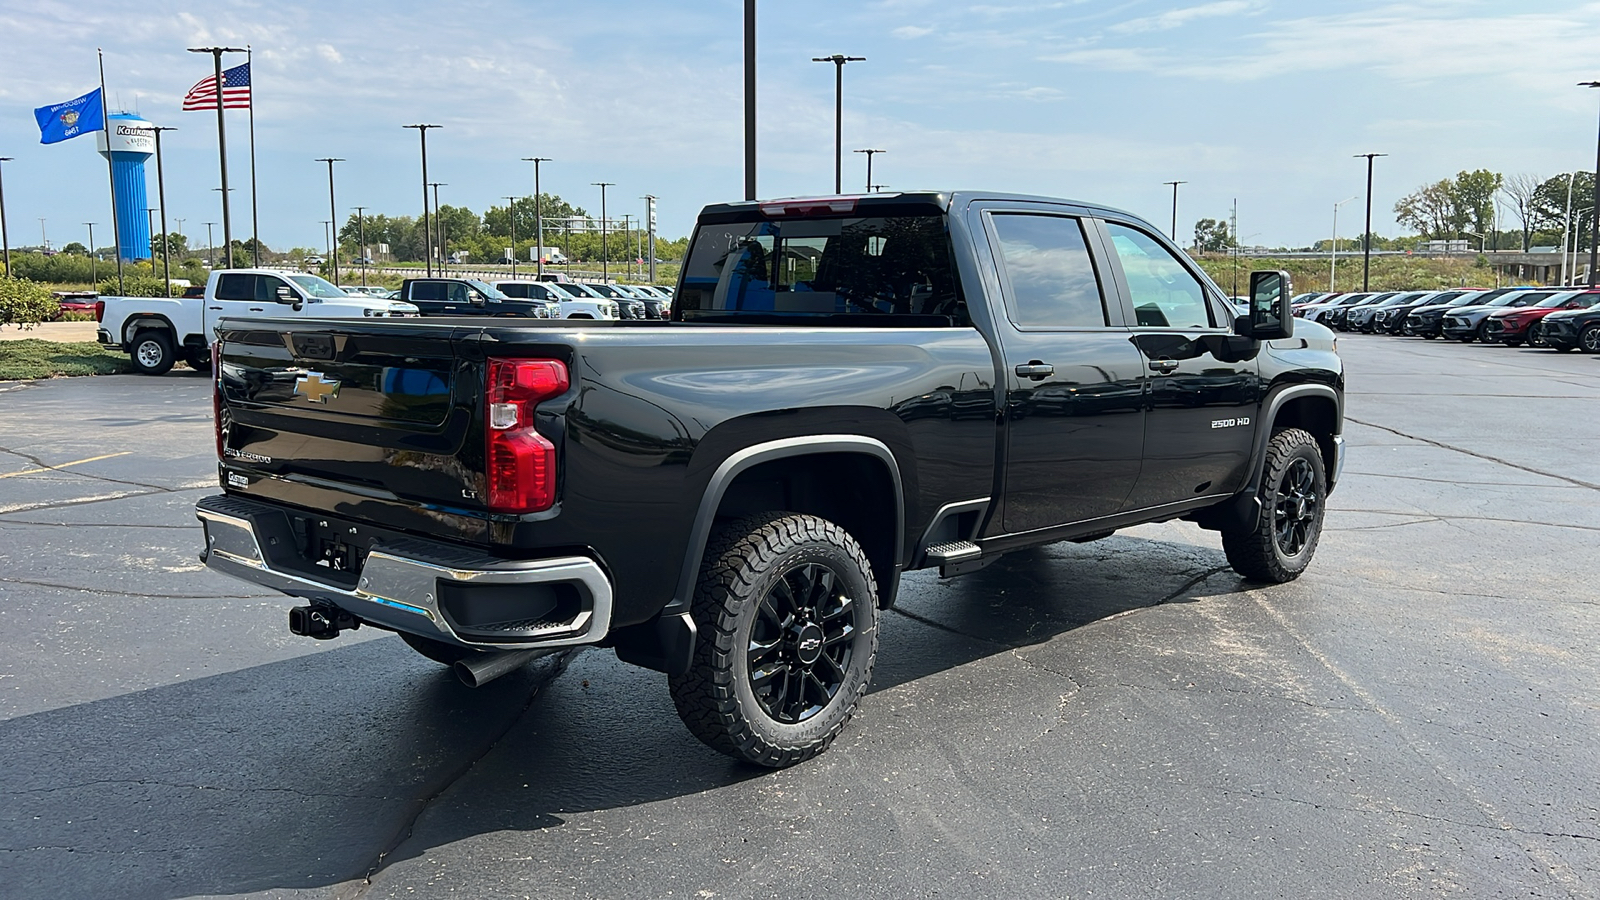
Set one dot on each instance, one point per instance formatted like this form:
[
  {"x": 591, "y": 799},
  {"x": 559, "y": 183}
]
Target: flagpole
[
  {"x": 255, "y": 222},
  {"x": 111, "y": 179},
  {"x": 222, "y": 151}
]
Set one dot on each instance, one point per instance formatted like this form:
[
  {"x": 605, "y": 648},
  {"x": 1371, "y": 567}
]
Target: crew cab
[
  {"x": 849, "y": 388},
  {"x": 568, "y": 305},
  {"x": 158, "y": 332},
  {"x": 470, "y": 297}
]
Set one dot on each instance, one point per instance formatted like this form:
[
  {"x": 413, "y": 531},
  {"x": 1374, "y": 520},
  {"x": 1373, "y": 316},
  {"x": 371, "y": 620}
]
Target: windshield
[
  {"x": 1555, "y": 300},
  {"x": 1348, "y": 299},
  {"x": 1519, "y": 298},
  {"x": 318, "y": 287},
  {"x": 487, "y": 290}
]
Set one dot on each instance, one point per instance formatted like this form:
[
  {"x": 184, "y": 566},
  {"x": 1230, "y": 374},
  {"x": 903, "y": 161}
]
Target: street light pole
[
  {"x": 211, "y": 248},
  {"x": 869, "y": 154},
  {"x": 650, "y": 229},
  {"x": 5, "y": 237},
  {"x": 94, "y": 277},
  {"x": 838, "y": 60},
  {"x": 749, "y": 99},
  {"x": 538, "y": 214},
  {"x": 222, "y": 142},
  {"x": 511, "y": 212},
  {"x": 327, "y": 235},
  {"x": 605, "y": 256},
  {"x": 1174, "y": 207},
  {"x": 438, "y": 225},
  {"x": 361, "y": 226},
  {"x": 1594, "y": 220},
  {"x": 333, "y": 256},
  {"x": 427, "y": 233},
  {"x": 1333, "y": 261},
  {"x": 161, "y": 200},
  {"x": 1366, "y": 236}
]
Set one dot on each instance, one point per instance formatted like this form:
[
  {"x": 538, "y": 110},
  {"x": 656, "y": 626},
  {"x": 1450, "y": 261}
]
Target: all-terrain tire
[
  {"x": 152, "y": 352},
  {"x": 775, "y": 590},
  {"x": 1279, "y": 545},
  {"x": 438, "y": 651}
]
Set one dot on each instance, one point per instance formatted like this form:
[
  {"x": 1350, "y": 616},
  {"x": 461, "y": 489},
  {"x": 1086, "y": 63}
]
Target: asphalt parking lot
[{"x": 1419, "y": 715}]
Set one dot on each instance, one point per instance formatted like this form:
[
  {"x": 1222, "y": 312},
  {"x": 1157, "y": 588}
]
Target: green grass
[{"x": 32, "y": 358}]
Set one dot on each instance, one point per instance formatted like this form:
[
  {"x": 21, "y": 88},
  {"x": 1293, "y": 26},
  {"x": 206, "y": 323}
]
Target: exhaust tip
[{"x": 477, "y": 671}]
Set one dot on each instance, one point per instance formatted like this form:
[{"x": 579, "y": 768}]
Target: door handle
[
  {"x": 1164, "y": 366},
  {"x": 1036, "y": 370},
  {"x": 213, "y": 307},
  {"x": 258, "y": 309}
]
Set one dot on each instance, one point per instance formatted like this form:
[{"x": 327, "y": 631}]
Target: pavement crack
[
  {"x": 31, "y": 523},
  {"x": 1398, "y": 811},
  {"x": 113, "y": 593},
  {"x": 1475, "y": 454},
  {"x": 84, "y": 501},
  {"x": 423, "y": 804},
  {"x": 1325, "y": 707},
  {"x": 1214, "y": 570},
  {"x": 46, "y": 467},
  {"x": 931, "y": 623}
]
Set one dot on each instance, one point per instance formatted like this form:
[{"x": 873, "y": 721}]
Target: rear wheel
[
  {"x": 1279, "y": 545},
  {"x": 198, "y": 360},
  {"x": 152, "y": 352},
  {"x": 787, "y": 611},
  {"x": 1589, "y": 341}
]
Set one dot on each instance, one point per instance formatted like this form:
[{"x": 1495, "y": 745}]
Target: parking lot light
[
  {"x": 605, "y": 261},
  {"x": 1594, "y": 221},
  {"x": 5, "y": 239},
  {"x": 870, "y": 154},
  {"x": 427, "y": 233},
  {"x": 538, "y": 214},
  {"x": 1366, "y": 236},
  {"x": 838, "y": 60},
  {"x": 333, "y": 216},
  {"x": 361, "y": 226}
]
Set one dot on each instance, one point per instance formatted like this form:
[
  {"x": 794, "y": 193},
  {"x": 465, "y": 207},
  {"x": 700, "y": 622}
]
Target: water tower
[{"x": 130, "y": 143}]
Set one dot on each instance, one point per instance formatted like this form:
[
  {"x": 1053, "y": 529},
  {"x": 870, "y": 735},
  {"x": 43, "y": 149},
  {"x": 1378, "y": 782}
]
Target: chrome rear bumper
[{"x": 403, "y": 587}]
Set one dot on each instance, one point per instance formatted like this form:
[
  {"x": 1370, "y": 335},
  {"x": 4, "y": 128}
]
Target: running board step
[
  {"x": 954, "y": 551},
  {"x": 958, "y": 558}
]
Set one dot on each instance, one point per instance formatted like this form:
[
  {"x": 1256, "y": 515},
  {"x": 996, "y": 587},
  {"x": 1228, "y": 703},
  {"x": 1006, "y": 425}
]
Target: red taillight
[
  {"x": 99, "y": 310},
  {"x": 810, "y": 206},
  {"x": 216, "y": 394},
  {"x": 520, "y": 467}
]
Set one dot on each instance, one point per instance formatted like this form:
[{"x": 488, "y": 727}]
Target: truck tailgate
[{"x": 378, "y": 421}]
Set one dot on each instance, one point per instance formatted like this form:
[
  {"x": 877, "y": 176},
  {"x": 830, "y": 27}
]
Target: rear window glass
[{"x": 860, "y": 270}]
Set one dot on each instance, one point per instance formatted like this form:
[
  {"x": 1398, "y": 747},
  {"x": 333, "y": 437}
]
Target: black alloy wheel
[
  {"x": 1589, "y": 341},
  {"x": 1295, "y": 507},
  {"x": 801, "y": 643}
]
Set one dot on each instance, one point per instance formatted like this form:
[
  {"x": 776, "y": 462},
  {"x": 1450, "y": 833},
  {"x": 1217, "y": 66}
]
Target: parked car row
[
  {"x": 1558, "y": 318},
  {"x": 536, "y": 299}
]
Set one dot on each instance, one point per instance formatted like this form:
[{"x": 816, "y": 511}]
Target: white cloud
[
  {"x": 911, "y": 32},
  {"x": 329, "y": 54},
  {"x": 1179, "y": 17}
]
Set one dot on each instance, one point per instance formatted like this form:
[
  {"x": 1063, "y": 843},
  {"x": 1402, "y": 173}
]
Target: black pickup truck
[{"x": 849, "y": 388}]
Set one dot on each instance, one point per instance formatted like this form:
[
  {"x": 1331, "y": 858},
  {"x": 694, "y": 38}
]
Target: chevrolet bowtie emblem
[{"x": 312, "y": 386}]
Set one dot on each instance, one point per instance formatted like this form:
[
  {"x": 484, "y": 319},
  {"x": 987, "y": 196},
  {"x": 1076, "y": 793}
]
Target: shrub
[
  {"x": 24, "y": 302},
  {"x": 134, "y": 285}
]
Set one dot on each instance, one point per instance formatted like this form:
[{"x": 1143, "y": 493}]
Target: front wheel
[
  {"x": 1279, "y": 545},
  {"x": 787, "y": 611},
  {"x": 1589, "y": 341}
]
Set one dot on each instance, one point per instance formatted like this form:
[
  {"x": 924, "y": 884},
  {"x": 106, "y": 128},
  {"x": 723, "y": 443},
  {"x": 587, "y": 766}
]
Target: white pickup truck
[{"x": 157, "y": 332}]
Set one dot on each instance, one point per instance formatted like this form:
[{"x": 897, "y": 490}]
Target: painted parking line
[{"x": 76, "y": 462}]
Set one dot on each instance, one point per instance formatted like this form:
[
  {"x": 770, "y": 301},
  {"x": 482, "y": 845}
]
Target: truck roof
[{"x": 899, "y": 202}]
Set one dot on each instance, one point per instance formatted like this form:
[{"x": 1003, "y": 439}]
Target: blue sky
[{"x": 1263, "y": 100}]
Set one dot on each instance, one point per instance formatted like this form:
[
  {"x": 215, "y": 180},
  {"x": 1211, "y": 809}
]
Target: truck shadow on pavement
[{"x": 320, "y": 770}]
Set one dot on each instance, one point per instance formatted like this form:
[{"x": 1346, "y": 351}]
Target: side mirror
[
  {"x": 287, "y": 295},
  {"x": 475, "y": 298},
  {"x": 1270, "y": 316}
]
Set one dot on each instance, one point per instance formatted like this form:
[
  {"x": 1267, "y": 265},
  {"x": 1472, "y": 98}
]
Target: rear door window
[
  {"x": 1049, "y": 272},
  {"x": 1163, "y": 291},
  {"x": 236, "y": 286}
]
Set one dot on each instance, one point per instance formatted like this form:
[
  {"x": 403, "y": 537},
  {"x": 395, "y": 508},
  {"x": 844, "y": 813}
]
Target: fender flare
[
  {"x": 730, "y": 468},
  {"x": 129, "y": 331},
  {"x": 1269, "y": 411}
]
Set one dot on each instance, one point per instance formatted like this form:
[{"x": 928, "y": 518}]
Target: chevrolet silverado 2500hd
[{"x": 849, "y": 388}]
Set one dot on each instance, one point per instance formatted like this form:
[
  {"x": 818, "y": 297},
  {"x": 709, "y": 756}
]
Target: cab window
[
  {"x": 428, "y": 291},
  {"x": 236, "y": 286},
  {"x": 1163, "y": 292},
  {"x": 1050, "y": 274}
]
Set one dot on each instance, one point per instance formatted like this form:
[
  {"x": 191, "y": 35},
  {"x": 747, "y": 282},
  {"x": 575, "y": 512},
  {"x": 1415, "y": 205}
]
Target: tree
[
  {"x": 1429, "y": 210},
  {"x": 1473, "y": 195},
  {"x": 1211, "y": 236},
  {"x": 1549, "y": 204},
  {"x": 1519, "y": 190},
  {"x": 24, "y": 302},
  {"x": 75, "y": 249}
]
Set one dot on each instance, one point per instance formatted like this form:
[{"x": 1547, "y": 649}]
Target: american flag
[{"x": 235, "y": 90}]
